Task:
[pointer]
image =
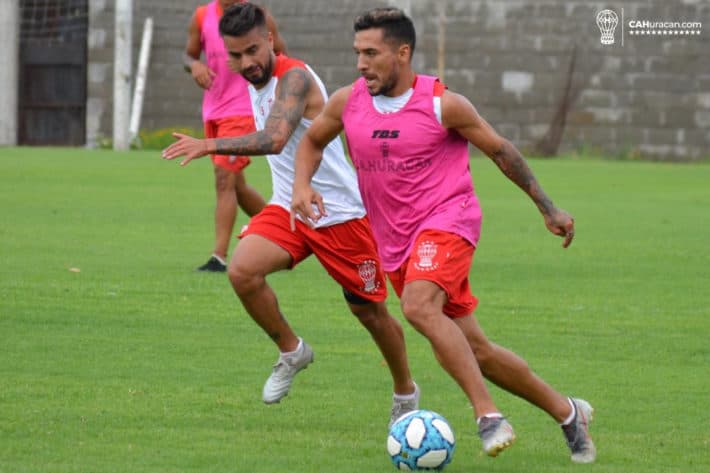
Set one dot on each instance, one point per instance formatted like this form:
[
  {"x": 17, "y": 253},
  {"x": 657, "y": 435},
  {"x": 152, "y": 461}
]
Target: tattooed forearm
[
  {"x": 511, "y": 162},
  {"x": 285, "y": 115},
  {"x": 254, "y": 143}
]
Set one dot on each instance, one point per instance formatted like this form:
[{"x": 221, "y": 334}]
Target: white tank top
[{"x": 335, "y": 179}]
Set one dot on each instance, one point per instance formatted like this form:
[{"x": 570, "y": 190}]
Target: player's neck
[
  {"x": 262, "y": 85},
  {"x": 404, "y": 83}
]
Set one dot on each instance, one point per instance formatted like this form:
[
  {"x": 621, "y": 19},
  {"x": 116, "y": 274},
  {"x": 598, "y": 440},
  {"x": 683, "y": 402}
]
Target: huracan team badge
[
  {"x": 367, "y": 271},
  {"x": 426, "y": 253}
]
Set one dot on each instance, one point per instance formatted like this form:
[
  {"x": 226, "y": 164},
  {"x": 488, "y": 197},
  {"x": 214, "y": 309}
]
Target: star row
[{"x": 665, "y": 32}]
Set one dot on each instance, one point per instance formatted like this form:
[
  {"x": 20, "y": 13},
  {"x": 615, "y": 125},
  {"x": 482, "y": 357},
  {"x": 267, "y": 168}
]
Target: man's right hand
[
  {"x": 202, "y": 74},
  {"x": 191, "y": 148},
  {"x": 307, "y": 204}
]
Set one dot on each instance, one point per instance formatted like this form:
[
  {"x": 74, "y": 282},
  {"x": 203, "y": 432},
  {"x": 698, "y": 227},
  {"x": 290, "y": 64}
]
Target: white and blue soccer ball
[{"x": 421, "y": 440}]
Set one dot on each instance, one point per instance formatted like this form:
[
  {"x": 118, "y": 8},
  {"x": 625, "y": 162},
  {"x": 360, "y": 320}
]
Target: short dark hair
[
  {"x": 241, "y": 18},
  {"x": 395, "y": 24}
]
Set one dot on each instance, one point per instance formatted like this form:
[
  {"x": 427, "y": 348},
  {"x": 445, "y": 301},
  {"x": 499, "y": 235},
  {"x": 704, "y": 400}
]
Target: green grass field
[{"x": 115, "y": 356}]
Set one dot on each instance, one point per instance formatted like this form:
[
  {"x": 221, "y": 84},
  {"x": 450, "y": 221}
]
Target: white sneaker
[
  {"x": 577, "y": 433},
  {"x": 402, "y": 406},
  {"x": 496, "y": 434},
  {"x": 278, "y": 384}
]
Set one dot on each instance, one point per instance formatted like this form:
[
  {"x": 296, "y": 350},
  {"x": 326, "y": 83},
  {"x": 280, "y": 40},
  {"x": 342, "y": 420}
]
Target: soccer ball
[{"x": 421, "y": 440}]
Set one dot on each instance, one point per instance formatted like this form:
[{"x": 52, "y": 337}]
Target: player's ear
[{"x": 404, "y": 53}]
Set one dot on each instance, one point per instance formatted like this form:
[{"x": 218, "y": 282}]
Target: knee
[
  {"x": 417, "y": 311},
  {"x": 361, "y": 311},
  {"x": 243, "y": 281},
  {"x": 376, "y": 319},
  {"x": 240, "y": 184},
  {"x": 367, "y": 314},
  {"x": 484, "y": 352},
  {"x": 223, "y": 180}
]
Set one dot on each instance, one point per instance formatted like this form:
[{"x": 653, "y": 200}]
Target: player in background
[
  {"x": 286, "y": 95},
  {"x": 408, "y": 139},
  {"x": 226, "y": 111}
]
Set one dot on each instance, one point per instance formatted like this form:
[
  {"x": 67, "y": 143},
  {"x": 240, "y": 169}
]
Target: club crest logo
[
  {"x": 607, "y": 21},
  {"x": 368, "y": 272},
  {"x": 426, "y": 252}
]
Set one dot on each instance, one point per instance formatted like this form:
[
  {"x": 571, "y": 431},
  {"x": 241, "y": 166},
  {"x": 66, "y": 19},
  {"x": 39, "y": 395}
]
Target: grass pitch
[{"x": 115, "y": 356}]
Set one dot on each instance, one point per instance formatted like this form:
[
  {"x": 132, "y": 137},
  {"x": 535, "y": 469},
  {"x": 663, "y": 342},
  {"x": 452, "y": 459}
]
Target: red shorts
[
  {"x": 232, "y": 127},
  {"x": 445, "y": 259},
  {"x": 346, "y": 250}
]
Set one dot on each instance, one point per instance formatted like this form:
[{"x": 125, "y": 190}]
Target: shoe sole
[
  {"x": 289, "y": 388},
  {"x": 493, "y": 452}
]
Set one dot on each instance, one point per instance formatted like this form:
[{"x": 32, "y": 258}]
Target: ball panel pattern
[{"x": 421, "y": 440}]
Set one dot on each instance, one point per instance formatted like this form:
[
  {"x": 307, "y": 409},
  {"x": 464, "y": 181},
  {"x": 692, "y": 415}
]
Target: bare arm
[
  {"x": 193, "y": 48},
  {"x": 199, "y": 71},
  {"x": 458, "y": 113},
  {"x": 286, "y": 112},
  {"x": 325, "y": 128}
]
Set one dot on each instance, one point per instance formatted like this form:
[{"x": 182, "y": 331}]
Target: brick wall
[{"x": 648, "y": 98}]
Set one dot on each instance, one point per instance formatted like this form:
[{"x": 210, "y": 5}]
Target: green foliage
[
  {"x": 116, "y": 356},
  {"x": 154, "y": 139},
  {"x": 163, "y": 137}
]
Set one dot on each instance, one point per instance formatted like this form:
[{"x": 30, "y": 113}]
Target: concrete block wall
[{"x": 649, "y": 98}]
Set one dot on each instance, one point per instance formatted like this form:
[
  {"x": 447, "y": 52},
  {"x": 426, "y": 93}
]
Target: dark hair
[
  {"x": 241, "y": 18},
  {"x": 395, "y": 25}
]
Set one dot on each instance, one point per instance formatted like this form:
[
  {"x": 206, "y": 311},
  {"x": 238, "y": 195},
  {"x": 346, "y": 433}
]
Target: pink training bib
[{"x": 412, "y": 172}]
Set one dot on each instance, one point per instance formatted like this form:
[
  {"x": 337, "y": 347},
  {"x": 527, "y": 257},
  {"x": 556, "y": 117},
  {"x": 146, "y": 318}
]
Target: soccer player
[
  {"x": 226, "y": 111},
  {"x": 286, "y": 95},
  {"x": 408, "y": 139}
]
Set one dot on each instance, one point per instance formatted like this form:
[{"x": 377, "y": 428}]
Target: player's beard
[
  {"x": 385, "y": 87},
  {"x": 388, "y": 83},
  {"x": 268, "y": 70}
]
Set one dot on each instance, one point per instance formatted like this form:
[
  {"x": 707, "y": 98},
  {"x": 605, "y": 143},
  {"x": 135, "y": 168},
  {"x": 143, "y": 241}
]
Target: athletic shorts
[
  {"x": 346, "y": 250},
  {"x": 445, "y": 259},
  {"x": 230, "y": 126}
]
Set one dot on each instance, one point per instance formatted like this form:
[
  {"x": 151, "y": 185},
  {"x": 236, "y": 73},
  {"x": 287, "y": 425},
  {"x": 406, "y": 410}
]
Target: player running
[{"x": 286, "y": 95}]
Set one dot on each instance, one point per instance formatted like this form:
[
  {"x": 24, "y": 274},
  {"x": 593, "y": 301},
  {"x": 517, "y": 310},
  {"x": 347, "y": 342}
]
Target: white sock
[
  {"x": 492, "y": 415},
  {"x": 289, "y": 353},
  {"x": 570, "y": 418},
  {"x": 407, "y": 397},
  {"x": 220, "y": 259}
]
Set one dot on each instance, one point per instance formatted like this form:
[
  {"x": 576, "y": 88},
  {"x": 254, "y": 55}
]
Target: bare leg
[
  {"x": 250, "y": 201},
  {"x": 512, "y": 373},
  {"x": 253, "y": 259},
  {"x": 225, "y": 211},
  {"x": 422, "y": 303},
  {"x": 389, "y": 337}
]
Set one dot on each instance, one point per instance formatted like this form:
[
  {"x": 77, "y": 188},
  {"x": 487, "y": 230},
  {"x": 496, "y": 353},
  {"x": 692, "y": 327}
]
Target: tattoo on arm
[
  {"x": 285, "y": 115},
  {"x": 511, "y": 162}
]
